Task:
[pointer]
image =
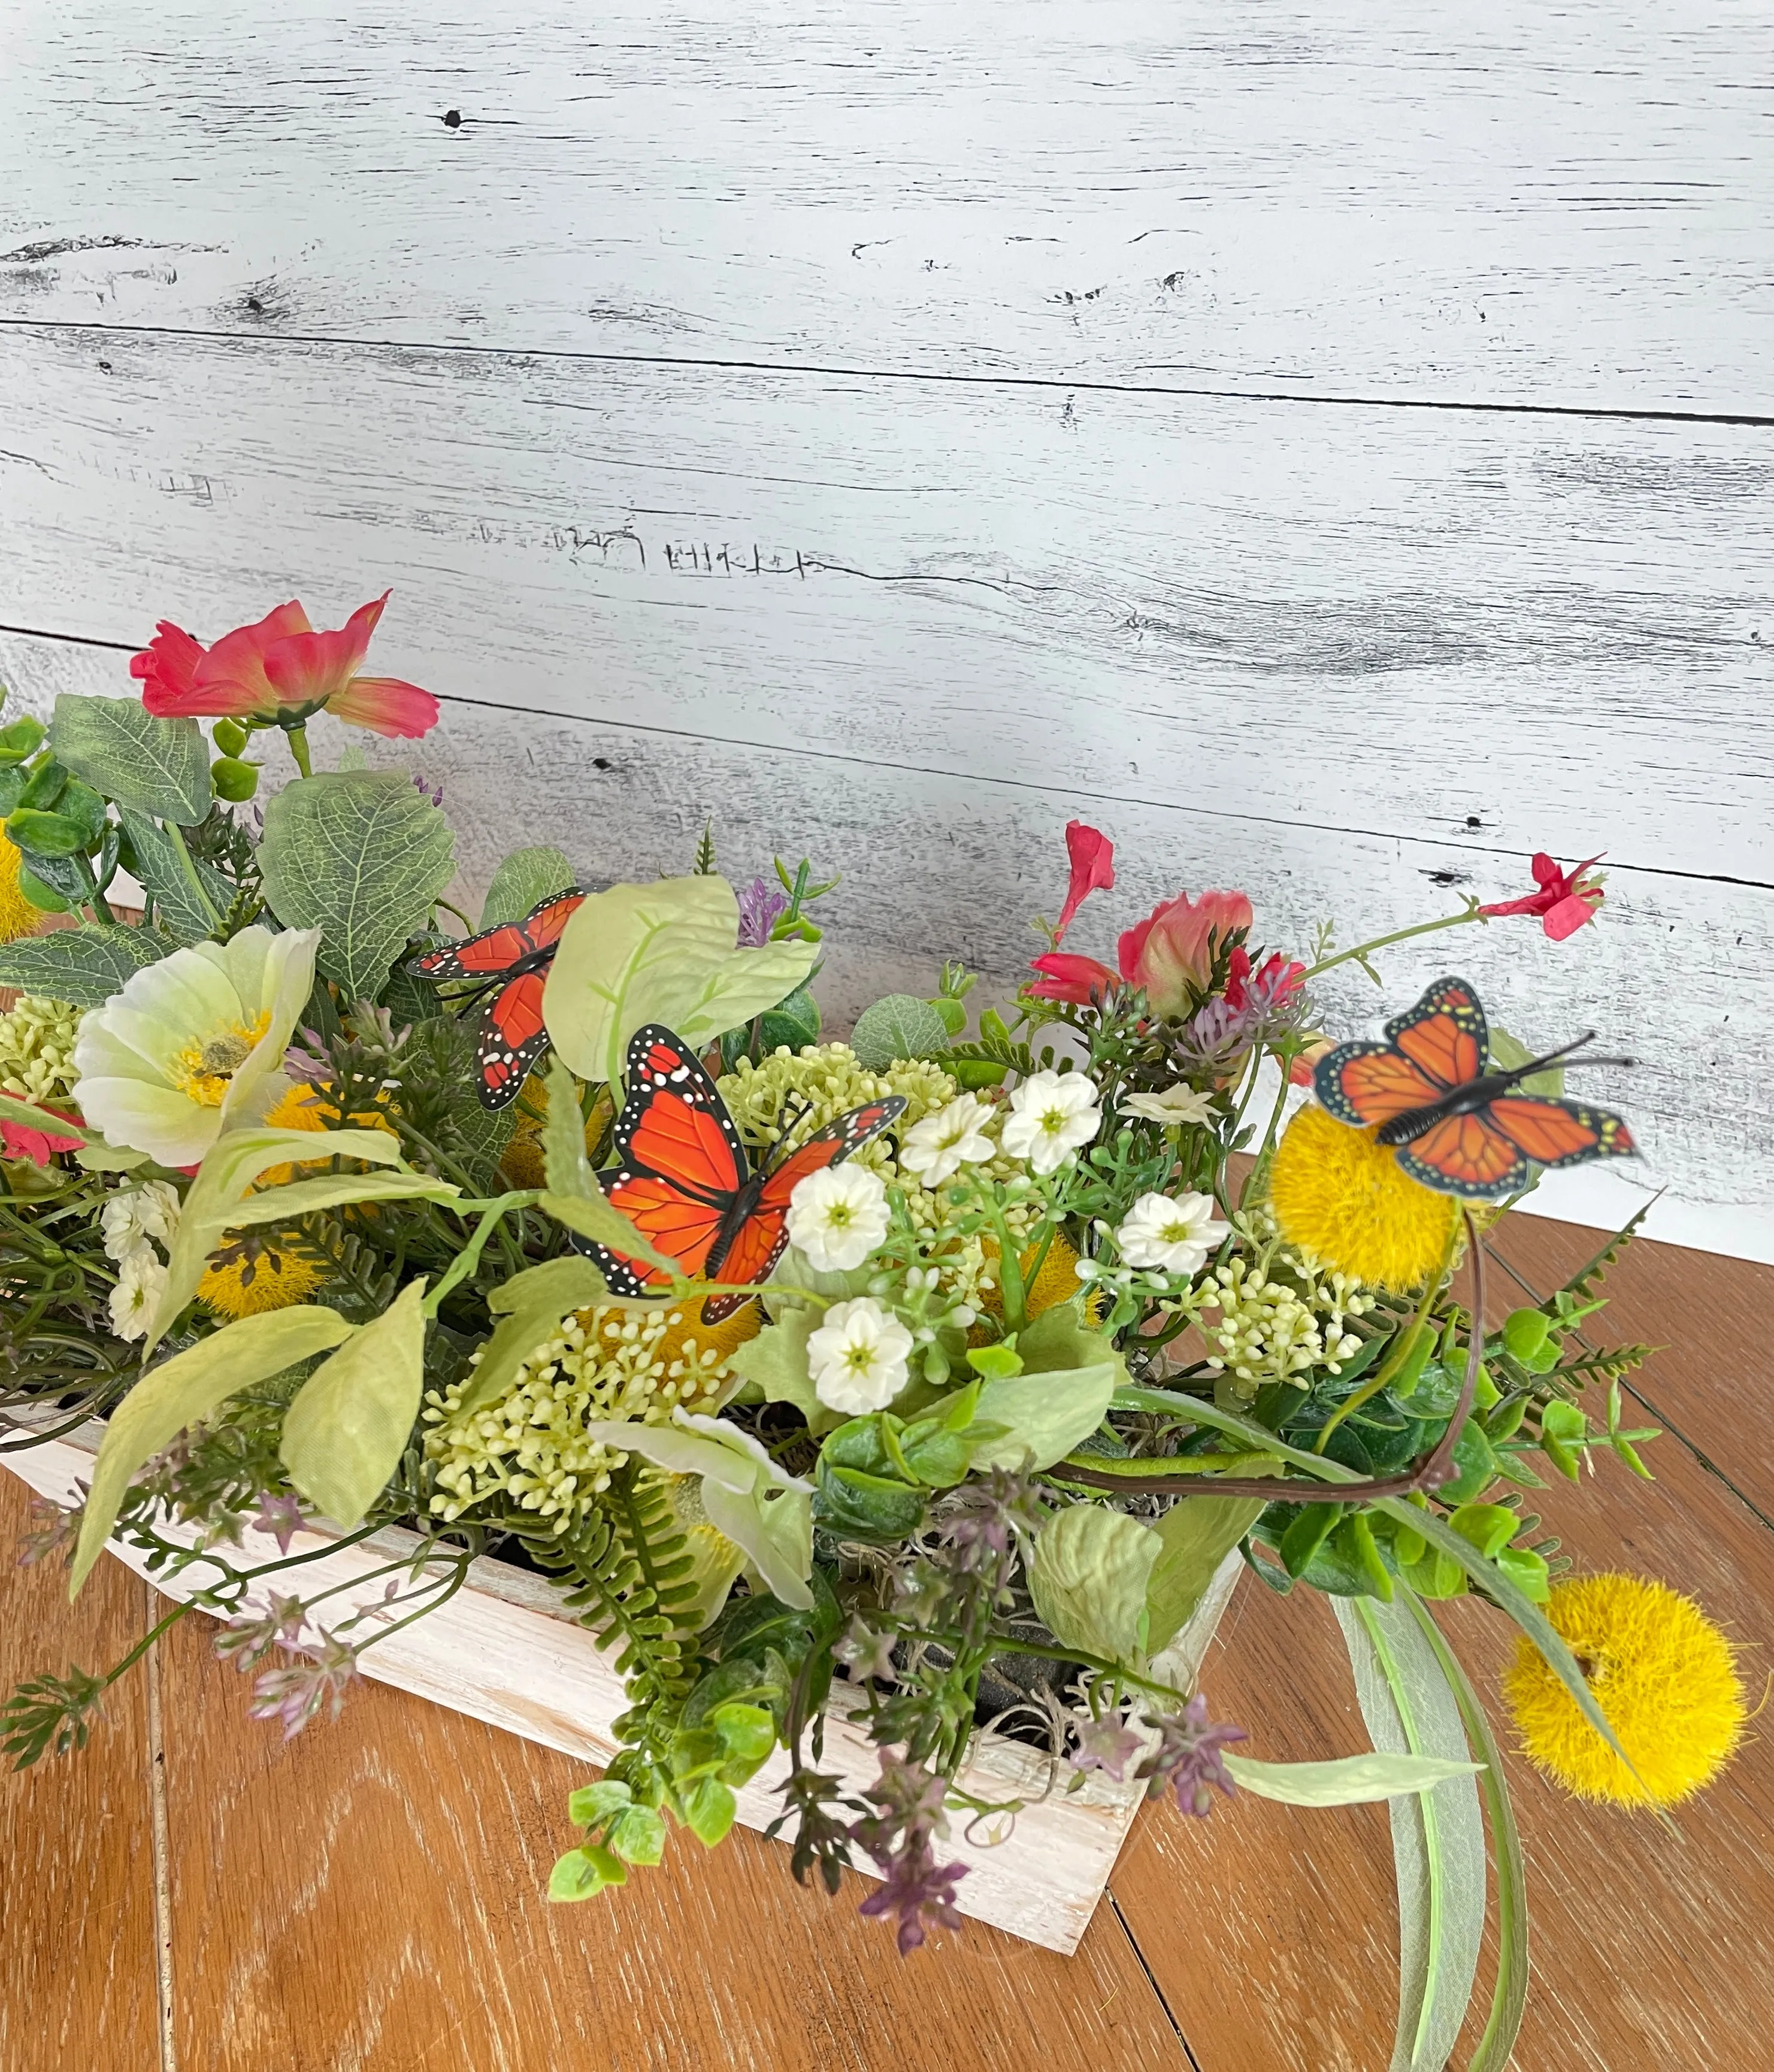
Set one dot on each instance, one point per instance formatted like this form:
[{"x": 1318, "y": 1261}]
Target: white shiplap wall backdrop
[{"x": 1331, "y": 448}]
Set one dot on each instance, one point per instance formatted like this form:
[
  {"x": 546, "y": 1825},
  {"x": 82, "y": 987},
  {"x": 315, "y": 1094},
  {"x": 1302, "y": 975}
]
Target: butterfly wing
[
  {"x": 1559, "y": 1132},
  {"x": 1365, "y": 1083},
  {"x": 1445, "y": 1035},
  {"x": 759, "y": 1242},
  {"x": 513, "y": 1036},
  {"x": 1467, "y": 1155},
  {"x": 497, "y": 949},
  {"x": 682, "y": 1165},
  {"x": 547, "y": 918}
]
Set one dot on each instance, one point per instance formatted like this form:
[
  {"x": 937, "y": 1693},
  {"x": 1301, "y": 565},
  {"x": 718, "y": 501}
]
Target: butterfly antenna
[{"x": 1567, "y": 1050}]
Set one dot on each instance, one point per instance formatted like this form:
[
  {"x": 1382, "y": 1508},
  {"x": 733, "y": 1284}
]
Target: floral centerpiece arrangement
[{"x": 940, "y": 1369}]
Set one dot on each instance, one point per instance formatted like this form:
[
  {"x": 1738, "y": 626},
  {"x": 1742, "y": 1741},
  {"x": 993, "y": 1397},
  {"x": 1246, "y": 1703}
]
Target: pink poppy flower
[
  {"x": 1079, "y": 979},
  {"x": 1092, "y": 859},
  {"x": 280, "y": 672},
  {"x": 1171, "y": 952},
  {"x": 22, "y": 1142},
  {"x": 1563, "y": 902}
]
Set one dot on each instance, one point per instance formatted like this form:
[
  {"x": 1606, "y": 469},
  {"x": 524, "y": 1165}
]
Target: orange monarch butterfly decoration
[
  {"x": 683, "y": 1180},
  {"x": 511, "y": 962},
  {"x": 1459, "y": 1126}
]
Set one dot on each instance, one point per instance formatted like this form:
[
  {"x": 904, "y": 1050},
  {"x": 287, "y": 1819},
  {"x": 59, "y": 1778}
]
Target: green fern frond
[
  {"x": 1582, "y": 1285},
  {"x": 1604, "y": 1363}
]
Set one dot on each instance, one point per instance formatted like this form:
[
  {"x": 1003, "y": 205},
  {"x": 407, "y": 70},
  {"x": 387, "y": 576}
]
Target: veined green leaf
[
  {"x": 361, "y": 856},
  {"x": 344, "y": 1433},
  {"x": 156, "y": 766},
  {"x": 230, "y": 1166},
  {"x": 187, "y": 1386},
  {"x": 1438, "y": 1837},
  {"x": 899, "y": 1027},
  {"x": 1346, "y": 1780},
  {"x": 188, "y": 895},
  {"x": 1193, "y": 1538},
  {"x": 1044, "y": 1416},
  {"x": 529, "y": 1306},
  {"x": 84, "y": 966},
  {"x": 1089, "y": 1578},
  {"x": 522, "y": 881},
  {"x": 665, "y": 952}
]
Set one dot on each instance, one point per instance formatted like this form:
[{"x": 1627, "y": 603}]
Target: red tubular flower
[
  {"x": 1277, "y": 981},
  {"x": 1563, "y": 902},
  {"x": 280, "y": 672},
  {"x": 1079, "y": 979},
  {"x": 1093, "y": 856},
  {"x": 1171, "y": 952}
]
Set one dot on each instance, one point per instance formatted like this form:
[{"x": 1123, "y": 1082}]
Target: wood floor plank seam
[{"x": 1133, "y": 1941}]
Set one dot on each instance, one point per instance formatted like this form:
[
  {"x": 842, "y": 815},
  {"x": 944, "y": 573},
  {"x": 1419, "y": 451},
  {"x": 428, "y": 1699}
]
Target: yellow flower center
[{"x": 204, "y": 1072}]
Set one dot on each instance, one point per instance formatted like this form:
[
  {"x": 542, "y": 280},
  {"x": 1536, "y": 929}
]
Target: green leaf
[
  {"x": 1509, "y": 1055},
  {"x": 344, "y": 1433},
  {"x": 230, "y": 1166},
  {"x": 1525, "y": 1333},
  {"x": 1509, "y": 1996},
  {"x": 775, "y": 1363},
  {"x": 637, "y": 1835},
  {"x": 1193, "y": 1538},
  {"x": 1090, "y": 1577},
  {"x": 574, "y": 1197},
  {"x": 1044, "y": 1415},
  {"x": 1437, "y": 1837},
  {"x": 860, "y": 1492},
  {"x": 297, "y": 1199},
  {"x": 34, "y": 1117},
  {"x": 359, "y": 855},
  {"x": 530, "y": 1307},
  {"x": 709, "y": 1809},
  {"x": 523, "y": 881},
  {"x": 1348, "y": 1780},
  {"x": 582, "y": 1873},
  {"x": 1562, "y": 1429},
  {"x": 84, "y": 966},
  {"x": 899, "y": 1027},
  {"x": 157, "y": 765},
  {"x": 661, "y": 953},
  {"x": 40, "y": 835},
  {"x": 187, "y": 1386},
  {"x": 592, "y": 1804},
  {"x": 793, "y": 1021},
  {"x": 188, "y": 896}
]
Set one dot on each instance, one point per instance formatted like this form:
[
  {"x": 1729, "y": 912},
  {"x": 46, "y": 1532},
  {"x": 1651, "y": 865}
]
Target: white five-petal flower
[
  {"x": 857, "y": 1357},
  {"x": 938, "y": 1148},
  {"x": 1176, "y": 1104},
  {"x": 1052, "y": 1114},
  {"x": 1173, "y": 1235},
  {"x": 137, "y": 1294},
  {"x": 838, "y": 1217}
]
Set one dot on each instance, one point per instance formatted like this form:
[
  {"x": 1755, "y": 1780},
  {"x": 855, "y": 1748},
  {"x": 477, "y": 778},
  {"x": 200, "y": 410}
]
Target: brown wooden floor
[{"x": 193, "y": 1894}]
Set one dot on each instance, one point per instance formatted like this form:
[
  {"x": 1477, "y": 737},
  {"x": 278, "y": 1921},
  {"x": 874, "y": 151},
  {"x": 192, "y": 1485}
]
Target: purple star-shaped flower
[
  {"x": 281, "y": 1516},
  {"x": 1107, "y": 1745},
  {"x": 920, "y": 1893},
  {"x": 1188, "y": 1758}
]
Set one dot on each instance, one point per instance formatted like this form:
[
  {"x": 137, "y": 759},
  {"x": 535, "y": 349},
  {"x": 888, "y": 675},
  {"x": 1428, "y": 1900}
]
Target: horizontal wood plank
[
  {"x": 937, "y": 865},
  {"x": 1441, "y": 199},
  {"x": 77, "y": 1956}
]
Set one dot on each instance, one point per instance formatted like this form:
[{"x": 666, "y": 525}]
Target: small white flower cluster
[
  {"x": 1269, "y": 1329},
  {"x": 131, "y": 1221}
]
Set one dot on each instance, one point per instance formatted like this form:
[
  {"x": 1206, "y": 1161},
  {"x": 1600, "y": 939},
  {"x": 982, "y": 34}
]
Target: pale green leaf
[
  {"x": 574, "y": 1197},
  {"x": 359, "y": 855},
  {"x": 522, "y": 882},
  {"x": 901, "y": 1026},
  {"x": 1062, "y": 1337},
  {"x": 233, "y": 1163},
  {"x": 1438, "y": 1835},
  {"x": 184, "y": 1388},
  {"x": 1194, "y": 1538},
  {"x": 774, "y": 1362},
  {"x": 189, "y": 897},
  {"x": 84, "y": 966},
  {"x": 530, "y": 1307},
  {"x": 157, "y": 765},
  {"x": 1510, "y": 1054},
  {"x": 33, "y": 1117},
  {"x": 1045, "y": 1415},
  {"x": 663, "y": 953},
  {"x": 344, "y": 1433},
  {"x": 335, "y": 1190},
  {"x": 1089, "y": 1578},
  {"x": 1348, "y": 1780}
]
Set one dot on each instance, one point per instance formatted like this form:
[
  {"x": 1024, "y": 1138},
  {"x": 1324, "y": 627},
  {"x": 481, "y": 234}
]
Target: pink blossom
[
  {"x": 279, "y": 672},
  {"x": 1093, "y": 856},
  {"x": 22, "y": 1142},
  {"x": 1080, "y": 979},
  {"x": 1171, "y": 953},
  {"x": 1275, "y": 982},
  {"x": 1563, "y": 902}
]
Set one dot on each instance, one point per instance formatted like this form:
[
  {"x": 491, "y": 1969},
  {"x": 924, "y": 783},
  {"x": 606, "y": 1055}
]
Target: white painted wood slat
[
  {"x": 1501, "y": 203},
  {"x": 940, "y": 865}
]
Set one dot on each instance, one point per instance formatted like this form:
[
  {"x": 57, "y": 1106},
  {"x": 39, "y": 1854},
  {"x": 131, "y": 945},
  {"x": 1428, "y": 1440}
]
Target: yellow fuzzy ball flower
[
  {"x": 277, "y": 1281},
  {"x": 1663, "y": 1673},
  {"x": 1336, "y": 1193},
  {"x": 17, "y": 916}
]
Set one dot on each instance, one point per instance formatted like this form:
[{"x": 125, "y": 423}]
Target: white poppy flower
[
  {"x": 1176, "y": 1104},
  {"x": 192, "y": 1045},
  {"x": 1052, "y": 1114},
  {"x": 137, "y": 1294},
  {"x": 938, "y": 1148},
  {"x": 857, "y": 1357},
  {"x": 1170, "y": 1235},
  {"x": 129, "y": 1219},
  {"x": 838, "y": 1217}
]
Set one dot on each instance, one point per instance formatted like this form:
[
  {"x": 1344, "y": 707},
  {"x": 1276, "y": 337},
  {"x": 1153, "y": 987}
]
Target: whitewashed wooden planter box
[{"x": 501, "y": 1650}]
